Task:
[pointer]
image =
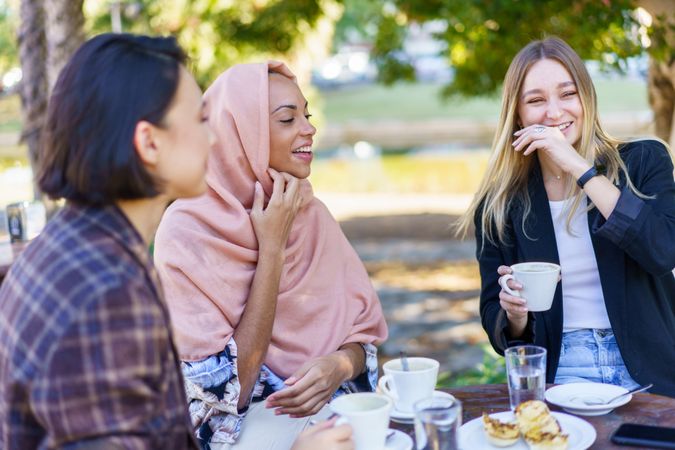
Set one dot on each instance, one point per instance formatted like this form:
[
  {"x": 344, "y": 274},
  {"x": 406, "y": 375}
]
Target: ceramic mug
[
  {"x": 368, "y": 415},
  {"x": 539, "y": 281},
  {"x": 407, "y": 387}
]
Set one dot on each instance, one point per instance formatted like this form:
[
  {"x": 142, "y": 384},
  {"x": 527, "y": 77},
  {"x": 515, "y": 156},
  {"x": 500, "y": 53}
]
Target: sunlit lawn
[
  {"x": 456, "y": 173},
  {"x": 422, "y": 101},
  {"x": 412, "y": 102},
  {"x": 10, "y": 113}
]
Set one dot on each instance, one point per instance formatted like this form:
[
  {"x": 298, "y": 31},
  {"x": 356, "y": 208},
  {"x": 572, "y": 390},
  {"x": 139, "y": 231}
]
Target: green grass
[
  {"x": 422, "y": 101},
  {"x": 491, "y": 371},
  {"x": 10, "y": 113},
  {"x": 408, "y": 102},
  {"x": 458, "y": 173}
]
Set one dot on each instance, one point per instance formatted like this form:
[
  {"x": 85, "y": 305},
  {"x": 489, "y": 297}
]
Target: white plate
[
  {"x": 408, "y": 417},
  {"x": 570, "y": 397},
  {"x": 581, "y": 433},
  {"x": 398, "y": 441}
]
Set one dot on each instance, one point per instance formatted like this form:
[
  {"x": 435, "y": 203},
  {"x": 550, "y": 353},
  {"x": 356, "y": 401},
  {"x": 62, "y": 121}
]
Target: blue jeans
[{"x": 592, "y": 355}]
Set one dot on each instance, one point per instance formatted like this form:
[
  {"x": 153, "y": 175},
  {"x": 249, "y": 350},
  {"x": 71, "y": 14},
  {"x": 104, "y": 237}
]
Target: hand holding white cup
[
  {"x": 368, "y": 415},
  {"x": 539, "y": 281}
]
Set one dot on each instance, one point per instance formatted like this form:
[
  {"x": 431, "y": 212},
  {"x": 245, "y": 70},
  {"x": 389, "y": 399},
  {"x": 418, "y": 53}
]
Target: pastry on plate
[
  {"x": 500, "y": 434},
  {"x": 539, "y": 428},
  {"x": 534, "y": 416},
  {"x": 546, "y": 441}
]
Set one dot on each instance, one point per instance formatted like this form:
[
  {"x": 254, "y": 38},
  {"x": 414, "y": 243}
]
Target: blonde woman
[{"x": 559, "y": 189}]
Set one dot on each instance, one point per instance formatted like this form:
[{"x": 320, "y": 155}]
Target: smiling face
[
  {"x": 550, "y": 97},
  {"x": 291, "y": 132}
]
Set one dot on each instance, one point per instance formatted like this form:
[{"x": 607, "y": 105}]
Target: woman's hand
[
  {"x": 515, "y": 307},
  {"x": 272, "y": 225},
  {"x": 551, "y": 141},
  {"x": 311, "y": 386},
  {"x": 326, "y": 436}
]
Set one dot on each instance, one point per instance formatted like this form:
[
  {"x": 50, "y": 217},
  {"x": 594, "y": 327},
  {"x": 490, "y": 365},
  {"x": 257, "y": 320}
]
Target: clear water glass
[
  {"x": 437, "y": 422},
  {"x": 526, "y": 373}
]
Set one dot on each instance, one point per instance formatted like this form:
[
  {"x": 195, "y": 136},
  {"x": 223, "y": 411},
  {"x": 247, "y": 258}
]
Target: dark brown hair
[{"x": 112, "y": 82}]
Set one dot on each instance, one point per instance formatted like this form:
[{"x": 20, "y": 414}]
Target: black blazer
[{"x": 635, "y": 253}]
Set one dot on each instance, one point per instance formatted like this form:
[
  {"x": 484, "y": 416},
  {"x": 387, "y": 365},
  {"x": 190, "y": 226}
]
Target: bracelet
[{"x": 583, "y": 179}]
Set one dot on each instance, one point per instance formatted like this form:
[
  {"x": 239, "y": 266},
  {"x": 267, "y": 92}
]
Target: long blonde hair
[{"x": 507, "y": 173}]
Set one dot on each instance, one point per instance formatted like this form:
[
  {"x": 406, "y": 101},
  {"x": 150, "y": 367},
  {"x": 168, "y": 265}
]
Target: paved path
[{"x": 427, "y": 281}]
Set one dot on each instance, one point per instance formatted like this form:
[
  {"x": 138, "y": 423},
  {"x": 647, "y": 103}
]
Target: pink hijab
[{"x": 206, "y": 249}]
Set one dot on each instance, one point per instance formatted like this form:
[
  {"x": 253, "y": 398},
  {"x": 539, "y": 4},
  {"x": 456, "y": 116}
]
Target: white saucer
[
  {"x": 408, "y": 417},
  {"x": 570, "y": 397},
  {"x": 398, "y": 441},
  {"x": 581, "y": 433}
]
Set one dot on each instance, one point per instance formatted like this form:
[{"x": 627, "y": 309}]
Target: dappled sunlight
[
  {"x": 435, "y": 309},
  {"x": 448, "y": 276},
  {"x": 469, "y": 333},
  {"x": 452, "y": 172}
]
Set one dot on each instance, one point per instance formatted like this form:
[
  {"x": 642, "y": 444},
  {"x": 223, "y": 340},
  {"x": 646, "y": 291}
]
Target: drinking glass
[
  {"x": 526, "y": 373},
  {"x": 437, "y": 421}
]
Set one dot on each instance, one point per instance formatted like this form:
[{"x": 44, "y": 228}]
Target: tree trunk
[
  {"x": 50, "y": 32},
  {"x": 32, "y": 52},
  {"x": 64, "y": 33},
  {"x": 661, "y": 78},
  {"x": 661, "y": 85}
]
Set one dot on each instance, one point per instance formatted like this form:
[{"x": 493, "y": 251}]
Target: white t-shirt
[{"x": 583, "y": 301}]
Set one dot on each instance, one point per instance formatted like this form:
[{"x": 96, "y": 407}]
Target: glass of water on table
[
  {"x": 526, "y": 373},
  {"x": 437, "y": 422}
]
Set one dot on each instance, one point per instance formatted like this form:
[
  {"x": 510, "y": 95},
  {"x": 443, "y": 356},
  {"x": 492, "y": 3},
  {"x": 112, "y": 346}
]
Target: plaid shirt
[{"x": 86, "y": 353}]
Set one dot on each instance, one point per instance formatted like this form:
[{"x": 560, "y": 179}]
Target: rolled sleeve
[
  {"x": 625, "y": 221},
  {"x": 643, "y": 225}
]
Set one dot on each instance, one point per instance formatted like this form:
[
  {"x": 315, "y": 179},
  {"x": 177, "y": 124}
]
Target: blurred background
[{"x": 405, "y": 95}]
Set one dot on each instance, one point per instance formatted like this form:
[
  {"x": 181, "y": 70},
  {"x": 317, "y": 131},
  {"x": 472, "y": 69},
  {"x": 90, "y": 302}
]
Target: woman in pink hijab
[{"x": 268, "y": 299}]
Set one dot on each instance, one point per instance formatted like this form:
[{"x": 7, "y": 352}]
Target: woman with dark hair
[
  {"x": 86, "y": 352},
  {"x": 559, "y": 189}
]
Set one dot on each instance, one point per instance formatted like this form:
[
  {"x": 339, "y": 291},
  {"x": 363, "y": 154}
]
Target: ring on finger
[{"x": 539, "y": 129}]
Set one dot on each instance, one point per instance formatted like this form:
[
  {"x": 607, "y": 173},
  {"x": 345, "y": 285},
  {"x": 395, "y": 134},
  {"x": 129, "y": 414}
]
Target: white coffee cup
[
  {"x": 368, "y": 415},
  {"x": 539, "y": 281},
  {"x": 407, "y": 387}
]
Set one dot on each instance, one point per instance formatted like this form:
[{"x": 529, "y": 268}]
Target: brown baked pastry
[
  {"x": 546, "y": 441},
  {"x": 534, "y": 415},
  {"x": 500, "y": 434},
  {"x": 539, "y": 428}
]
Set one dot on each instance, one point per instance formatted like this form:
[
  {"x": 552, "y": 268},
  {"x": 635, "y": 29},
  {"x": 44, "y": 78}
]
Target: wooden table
[
  {"x": 8, "y": 254},
  {"x": 648, "y": 409}
]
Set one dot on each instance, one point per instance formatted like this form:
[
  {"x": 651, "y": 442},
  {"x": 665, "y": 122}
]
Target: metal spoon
[
  {"x": 404, "y": 361},
  {"x": 612, "y": 400}
]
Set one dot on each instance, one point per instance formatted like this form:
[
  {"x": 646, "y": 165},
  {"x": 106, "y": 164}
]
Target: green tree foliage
[
  {"x": 218, "y": 33},
  {"x": 9, "y": 56},
  {"x": 358, "y": 22},
  {"x": 482, "y": 36}
]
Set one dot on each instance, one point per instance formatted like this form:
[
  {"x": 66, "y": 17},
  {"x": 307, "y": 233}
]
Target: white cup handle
[
  {"x": 502, "y": 282},
  {"x": 383, "y": 385}
]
